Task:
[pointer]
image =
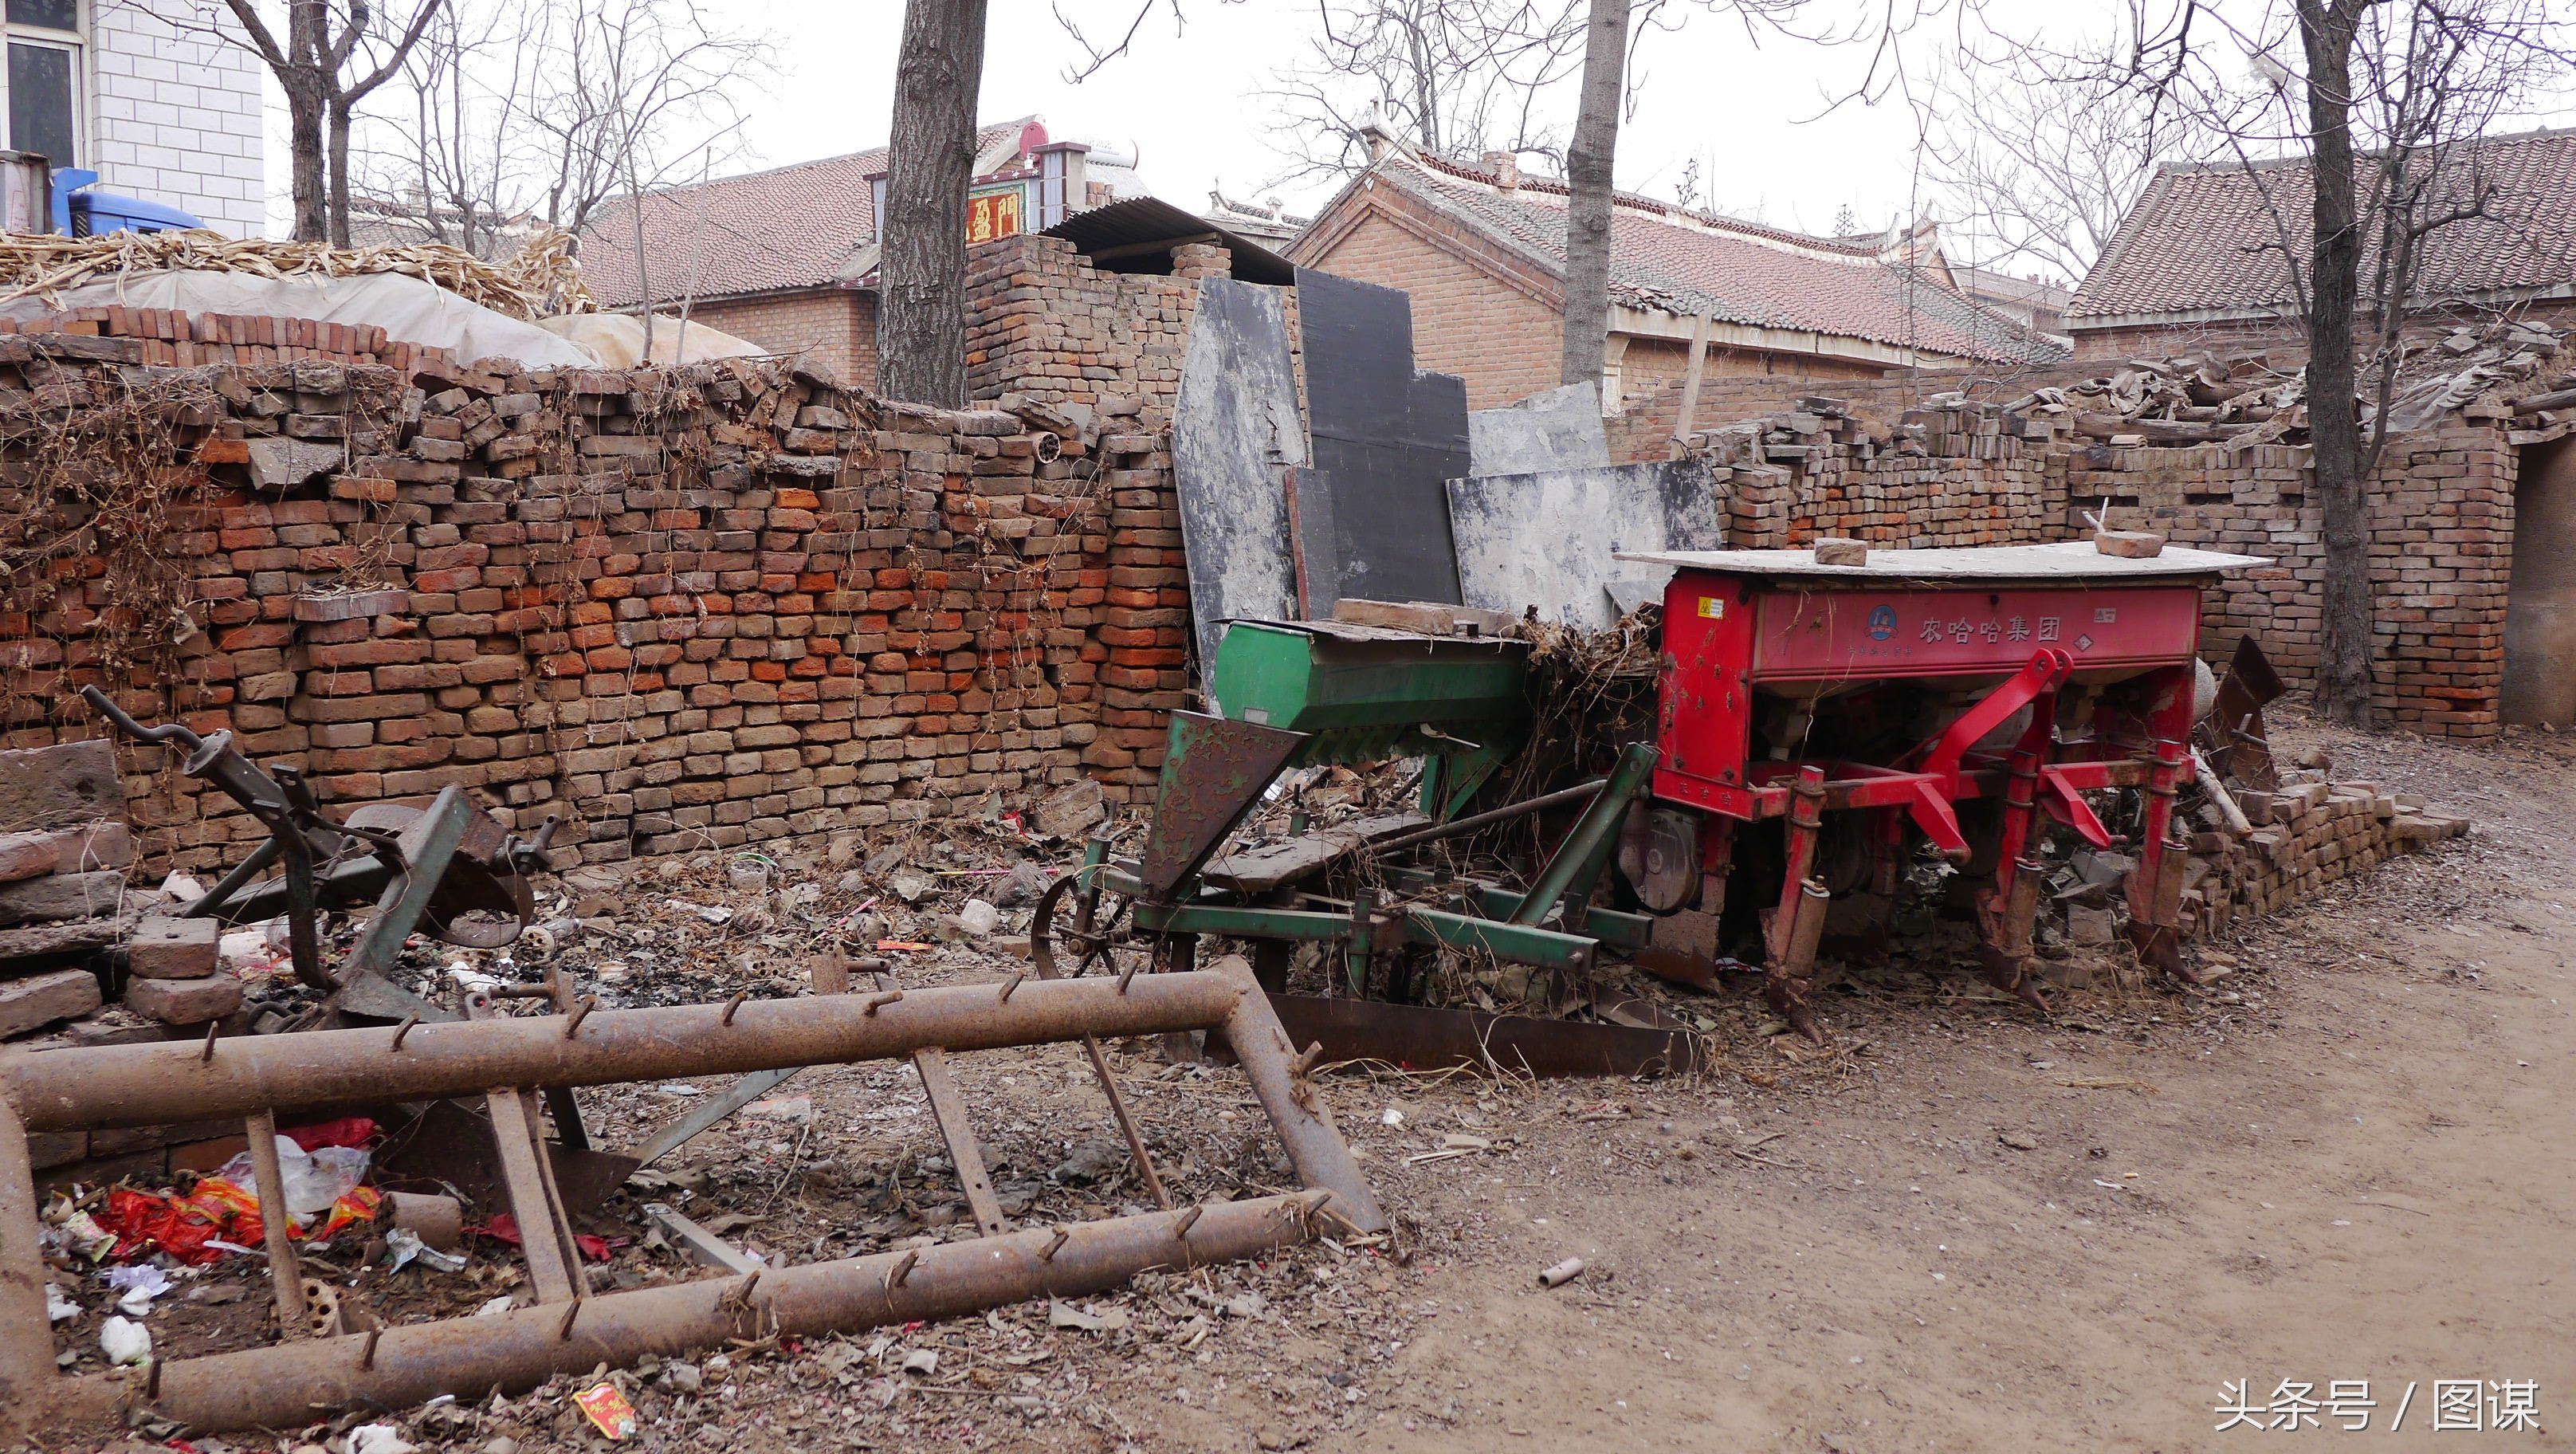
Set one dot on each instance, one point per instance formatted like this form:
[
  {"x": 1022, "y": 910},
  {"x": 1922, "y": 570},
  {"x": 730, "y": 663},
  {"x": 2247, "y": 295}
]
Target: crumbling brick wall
[
  {"x": 686, "y": 608},
  {"x": 1873, "y": 463},
  {"x": 1045, "y": 325}
]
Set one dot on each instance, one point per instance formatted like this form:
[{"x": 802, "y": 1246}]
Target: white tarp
[
  {"x": 406, "y": 308},
  {"x": 617, "y": 339}
]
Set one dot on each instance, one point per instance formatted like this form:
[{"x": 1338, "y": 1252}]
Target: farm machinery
[{"x": 1823, "y": 728}]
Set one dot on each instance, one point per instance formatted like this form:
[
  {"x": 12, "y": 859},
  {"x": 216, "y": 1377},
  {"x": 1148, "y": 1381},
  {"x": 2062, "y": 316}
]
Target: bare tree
[
  {"x": 1449, "y": 77},
  {"x": 2037, "y": 167},
  {"x": 546, "y": 110},
  {"x": 312, "y": 68},
  {"x": 930, "y": 162},
  {"x": 2384, "y": 101}
]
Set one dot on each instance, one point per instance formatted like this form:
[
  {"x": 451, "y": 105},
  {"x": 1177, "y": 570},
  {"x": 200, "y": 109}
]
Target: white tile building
[{"x": 147, "y": 94}]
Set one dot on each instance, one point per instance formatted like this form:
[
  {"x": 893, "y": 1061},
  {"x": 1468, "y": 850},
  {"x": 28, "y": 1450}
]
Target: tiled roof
[
  {"x": 1689, "y": 263},
  {"x": 2204, "y": 239},
  {"x": 790, "y": 227}
]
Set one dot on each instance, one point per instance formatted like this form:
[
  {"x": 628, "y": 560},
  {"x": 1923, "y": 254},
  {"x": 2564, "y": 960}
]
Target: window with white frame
[{"x": 45, "y": 78}]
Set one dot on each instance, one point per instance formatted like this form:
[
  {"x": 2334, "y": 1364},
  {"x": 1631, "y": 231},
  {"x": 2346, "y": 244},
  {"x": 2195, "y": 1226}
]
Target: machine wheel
[{"x": 1078, "y": 929}]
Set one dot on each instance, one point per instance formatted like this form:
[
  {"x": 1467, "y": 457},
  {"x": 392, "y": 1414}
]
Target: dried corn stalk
[{"x": 539, "y": 280}]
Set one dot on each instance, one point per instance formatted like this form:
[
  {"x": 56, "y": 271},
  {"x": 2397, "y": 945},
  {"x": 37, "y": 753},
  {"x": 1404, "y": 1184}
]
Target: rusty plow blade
[
  {"x": 1421, "y": 1037},
  {"x": 504, "y": 1061}
]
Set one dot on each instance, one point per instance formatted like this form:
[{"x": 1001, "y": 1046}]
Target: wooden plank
[
  {"x": 545, "y": 1234},
  {"x": 1690, "y": 376},
  {"x": 1267, "y": 866},
  {"x": 949, "y": 1111}
]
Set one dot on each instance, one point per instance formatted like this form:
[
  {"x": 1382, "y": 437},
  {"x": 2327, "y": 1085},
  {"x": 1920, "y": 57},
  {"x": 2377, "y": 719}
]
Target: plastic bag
[{"x": 313, "y": 1179}]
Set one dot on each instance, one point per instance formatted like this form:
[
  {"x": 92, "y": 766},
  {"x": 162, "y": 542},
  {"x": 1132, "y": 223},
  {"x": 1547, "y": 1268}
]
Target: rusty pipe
[
  {"x": 27, "y": 1371},
  {"x": 111, "y": 1087},
  {"x": 287, "y": 1386},
  {"x": 1305, "y": 1126},
  {"x": 285, "y": 1271}
]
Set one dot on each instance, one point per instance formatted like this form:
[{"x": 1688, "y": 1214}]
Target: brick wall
[
  {"x": 175, "y": 112},
  {"x": 1977, "y": 474},
  {"x": 1044, "y": 324},
  {"x": 685, "y": 608},
  {"x": 832, "y": 328}
]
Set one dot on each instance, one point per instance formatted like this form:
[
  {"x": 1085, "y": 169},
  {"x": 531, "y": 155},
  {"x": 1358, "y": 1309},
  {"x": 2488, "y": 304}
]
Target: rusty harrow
[{"x": 507, "y": 1061}]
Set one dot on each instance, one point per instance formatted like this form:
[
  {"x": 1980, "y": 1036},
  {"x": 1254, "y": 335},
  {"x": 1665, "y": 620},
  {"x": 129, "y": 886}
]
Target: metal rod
[
  {"x": 284, "y": 1387},
  {"x": 545, "y": 1239},
  {"x": 285, "y": 1273},
  {"x": 1490, "y": 817},
  {"x": 948, "y": 1109},
  {"x": 28, "y": 1377},
  {"x": 1305, "y": 1127},
  {"x": 115, "y": 1086}
]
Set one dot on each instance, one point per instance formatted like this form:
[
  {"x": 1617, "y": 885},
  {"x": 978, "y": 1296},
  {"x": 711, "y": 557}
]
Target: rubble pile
[
  {"x": 69, "y": 928},
  {"x": 2309, "y": 834}
]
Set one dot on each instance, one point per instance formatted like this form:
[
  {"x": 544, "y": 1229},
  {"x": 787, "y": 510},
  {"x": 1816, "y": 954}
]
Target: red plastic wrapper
[
  {"x": 356, "y": 1131},
  {"x": 147, "y": 1222},
  {"x": 505, "y": 1228}
]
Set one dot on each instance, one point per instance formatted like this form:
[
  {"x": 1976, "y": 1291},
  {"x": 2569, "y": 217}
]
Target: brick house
[
  {"x": 148, "y": 94},
  {"x": 1481, "y": 248},
  {"x": 787, "y": 258},
  {"x": 2198, "y": 258}
]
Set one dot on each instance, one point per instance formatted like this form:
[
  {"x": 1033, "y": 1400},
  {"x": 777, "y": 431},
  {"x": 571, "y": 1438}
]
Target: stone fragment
[
  {"x": 1069, "y": 811},
  {"x": 184, "y": 1001},
  {"x": 75, "y": 936},
  {"x": 67, "y": 783},
  {"x": 41, "y": 999},
  {"x": 1836, "y": 550},
  {"x": 26, "y": 855},
  {"x": 163, "y": 947},
  {"x": 61, "y": 896},
  {"x": 2129, "y": 544}
]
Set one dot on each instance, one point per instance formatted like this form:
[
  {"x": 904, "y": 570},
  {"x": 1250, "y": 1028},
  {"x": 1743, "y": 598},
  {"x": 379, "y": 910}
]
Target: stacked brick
[
  {"x": 2305, "y": 837},
  {"x": 1950, "y": 472},
  {"x": 168, "y": 336},
  {"x": 1044, "y": 324},
  {"x": 69, "y": 930},
  {"x": 1962, "y": 475},
  {"x": 690, "y": 608}
]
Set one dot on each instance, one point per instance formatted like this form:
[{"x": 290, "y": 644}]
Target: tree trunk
[
  {"x": 340, "y": 175},
  {"x": 304, "y": 109},
  {"x": 921, "y": 332},
  {"x": 1588, "y": 169},
  {"x": 2345, "y": 646},
  {"x": 307, "y": 98}
]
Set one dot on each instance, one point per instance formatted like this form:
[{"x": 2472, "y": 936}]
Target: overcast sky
[
  {"x": 1188, "y": 103},
  {"x": 1745, "y": 108}
]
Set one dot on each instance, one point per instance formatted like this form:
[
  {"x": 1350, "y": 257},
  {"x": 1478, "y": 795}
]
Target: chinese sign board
[
  {"x": 1832, "y": 634},
  {"x": 994, "y": 213}
]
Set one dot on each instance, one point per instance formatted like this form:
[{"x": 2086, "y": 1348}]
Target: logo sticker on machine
[
  {"x": 1882, "y": 623},
  {"x": 1713, "y": 607}
]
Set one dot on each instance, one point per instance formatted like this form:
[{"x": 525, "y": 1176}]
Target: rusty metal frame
[{"x": 273, "y": 1076}]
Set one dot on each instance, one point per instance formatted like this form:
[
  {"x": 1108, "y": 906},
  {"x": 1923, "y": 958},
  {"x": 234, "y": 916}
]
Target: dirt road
[
  {"x": 1964, "y": 1228},
  {"x": 1995, "y": 1234}
]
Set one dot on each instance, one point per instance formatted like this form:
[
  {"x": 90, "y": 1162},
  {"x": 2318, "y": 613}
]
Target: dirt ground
[{"x": 1962, "y": 1228}]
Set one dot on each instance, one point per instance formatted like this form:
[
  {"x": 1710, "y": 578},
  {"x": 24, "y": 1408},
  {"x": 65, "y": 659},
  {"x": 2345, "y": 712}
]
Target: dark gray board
[
  {"x": 1550, "y": 539},
  {"x": 1235, "y": 435},
  {"x": 1385, "y": 439}
]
